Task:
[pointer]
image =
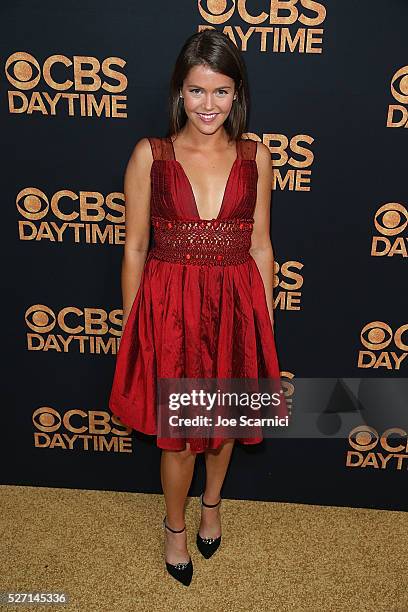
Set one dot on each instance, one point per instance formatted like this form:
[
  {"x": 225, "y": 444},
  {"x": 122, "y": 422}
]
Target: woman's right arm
[{"x": 137, "y": 223}]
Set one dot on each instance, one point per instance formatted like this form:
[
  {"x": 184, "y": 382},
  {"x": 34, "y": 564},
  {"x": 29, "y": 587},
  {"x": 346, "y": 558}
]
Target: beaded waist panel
[{"x": 202, "y": 242}]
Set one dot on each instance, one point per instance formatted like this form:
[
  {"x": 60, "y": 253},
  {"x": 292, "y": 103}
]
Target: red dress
[{"x": 200, "y": 310}]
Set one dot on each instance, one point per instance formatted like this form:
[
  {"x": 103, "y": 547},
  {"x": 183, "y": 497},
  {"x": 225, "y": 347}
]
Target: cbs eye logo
[
  {"x": 40, "y": 319},
  {"x": 23, "y": 71},
  {"x": 32, "y": 204},
  {"x": 363, "y": 438},
  {"x": 377, "y": 336},
  {"x": 46, "y": 419},
  {"x": 218, "y": 11},
  {"x": 390, "y": 220},
  {"x": 399, "y": 85},
  {"x": 397, "y": 115}
]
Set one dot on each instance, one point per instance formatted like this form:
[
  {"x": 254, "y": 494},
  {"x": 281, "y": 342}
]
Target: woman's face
[{"x": 208, "y": 98}]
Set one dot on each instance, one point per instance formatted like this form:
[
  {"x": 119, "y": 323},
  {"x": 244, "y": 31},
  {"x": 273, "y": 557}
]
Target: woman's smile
[{"x": 207, "y": 117}]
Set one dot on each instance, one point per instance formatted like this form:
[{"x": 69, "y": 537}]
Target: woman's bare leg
[
  {"x": 176, "y": 470},
  {"x": 216, "y": 463}
]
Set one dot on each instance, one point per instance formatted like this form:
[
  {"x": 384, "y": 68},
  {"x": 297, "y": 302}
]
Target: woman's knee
[{"x": 186, "y": 453}]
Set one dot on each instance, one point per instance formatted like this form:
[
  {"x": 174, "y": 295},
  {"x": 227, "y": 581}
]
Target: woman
[{"x": 199, "y": 304}]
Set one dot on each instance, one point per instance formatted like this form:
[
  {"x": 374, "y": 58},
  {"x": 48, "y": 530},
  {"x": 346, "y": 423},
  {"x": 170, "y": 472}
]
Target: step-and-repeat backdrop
[{"x": 80, "y": 84}]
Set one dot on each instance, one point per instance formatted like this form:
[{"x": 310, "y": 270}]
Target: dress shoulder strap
[
  {"x": 161, "y": 147},
  {"x": 247, "y": 148}
]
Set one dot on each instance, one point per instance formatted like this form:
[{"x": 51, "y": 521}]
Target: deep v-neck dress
[{"x": 200, "y": 310}]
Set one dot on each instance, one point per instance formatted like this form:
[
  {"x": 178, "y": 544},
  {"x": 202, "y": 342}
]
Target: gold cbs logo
[
  {"x": 371, "y": 449},
  {"x": 75, "y": 82},
  {"x": 95, "y": 321},
  {"x": 70, "y": 214},
  {"x": 377, "y": 336},
  {"x": 289, "y": 281},
  {"x": 390, "y": 220},
  {"x": 88, "y": 330},
  {"x": 397, "y": 115},
  {"x": 279, "y": 13},
  {"x": 24, "y": 72},
  {"x": 218, "y": 12},
  {"x": 292, "y": 159},
  {"x": 79, "y": 429}
]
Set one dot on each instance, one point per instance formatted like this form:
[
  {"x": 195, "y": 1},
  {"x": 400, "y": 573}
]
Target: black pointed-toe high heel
[
  {"x": 183, "y": 572},
  {"x": 207, "y": 546}
]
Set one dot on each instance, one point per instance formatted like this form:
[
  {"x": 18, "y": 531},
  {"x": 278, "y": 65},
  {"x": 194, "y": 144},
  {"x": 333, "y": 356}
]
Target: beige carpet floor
[{"x": 105, "y": 550}]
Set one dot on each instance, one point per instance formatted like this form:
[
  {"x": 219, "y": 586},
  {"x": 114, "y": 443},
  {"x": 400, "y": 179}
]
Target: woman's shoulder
[
  {"x": 145, "y": 150},
  {"x": 146, "y": 142},
  {"x": 141, "y": 147},
  {"x": 248, "y": 148},
  {"x": 153, "y": 148},
  {"x": 263, "y": 153}
]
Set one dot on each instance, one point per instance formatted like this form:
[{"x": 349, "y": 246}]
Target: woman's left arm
[{"x": 261, "y": 246}]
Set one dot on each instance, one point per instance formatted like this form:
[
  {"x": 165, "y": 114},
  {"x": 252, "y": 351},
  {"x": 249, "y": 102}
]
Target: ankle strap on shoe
[
  {"x": 209, "y": 505},
  {"x": 173, "y": 530}
]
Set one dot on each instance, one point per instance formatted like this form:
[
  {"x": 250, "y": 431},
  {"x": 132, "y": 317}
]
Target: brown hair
[{"x": 213, "y": 49}]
